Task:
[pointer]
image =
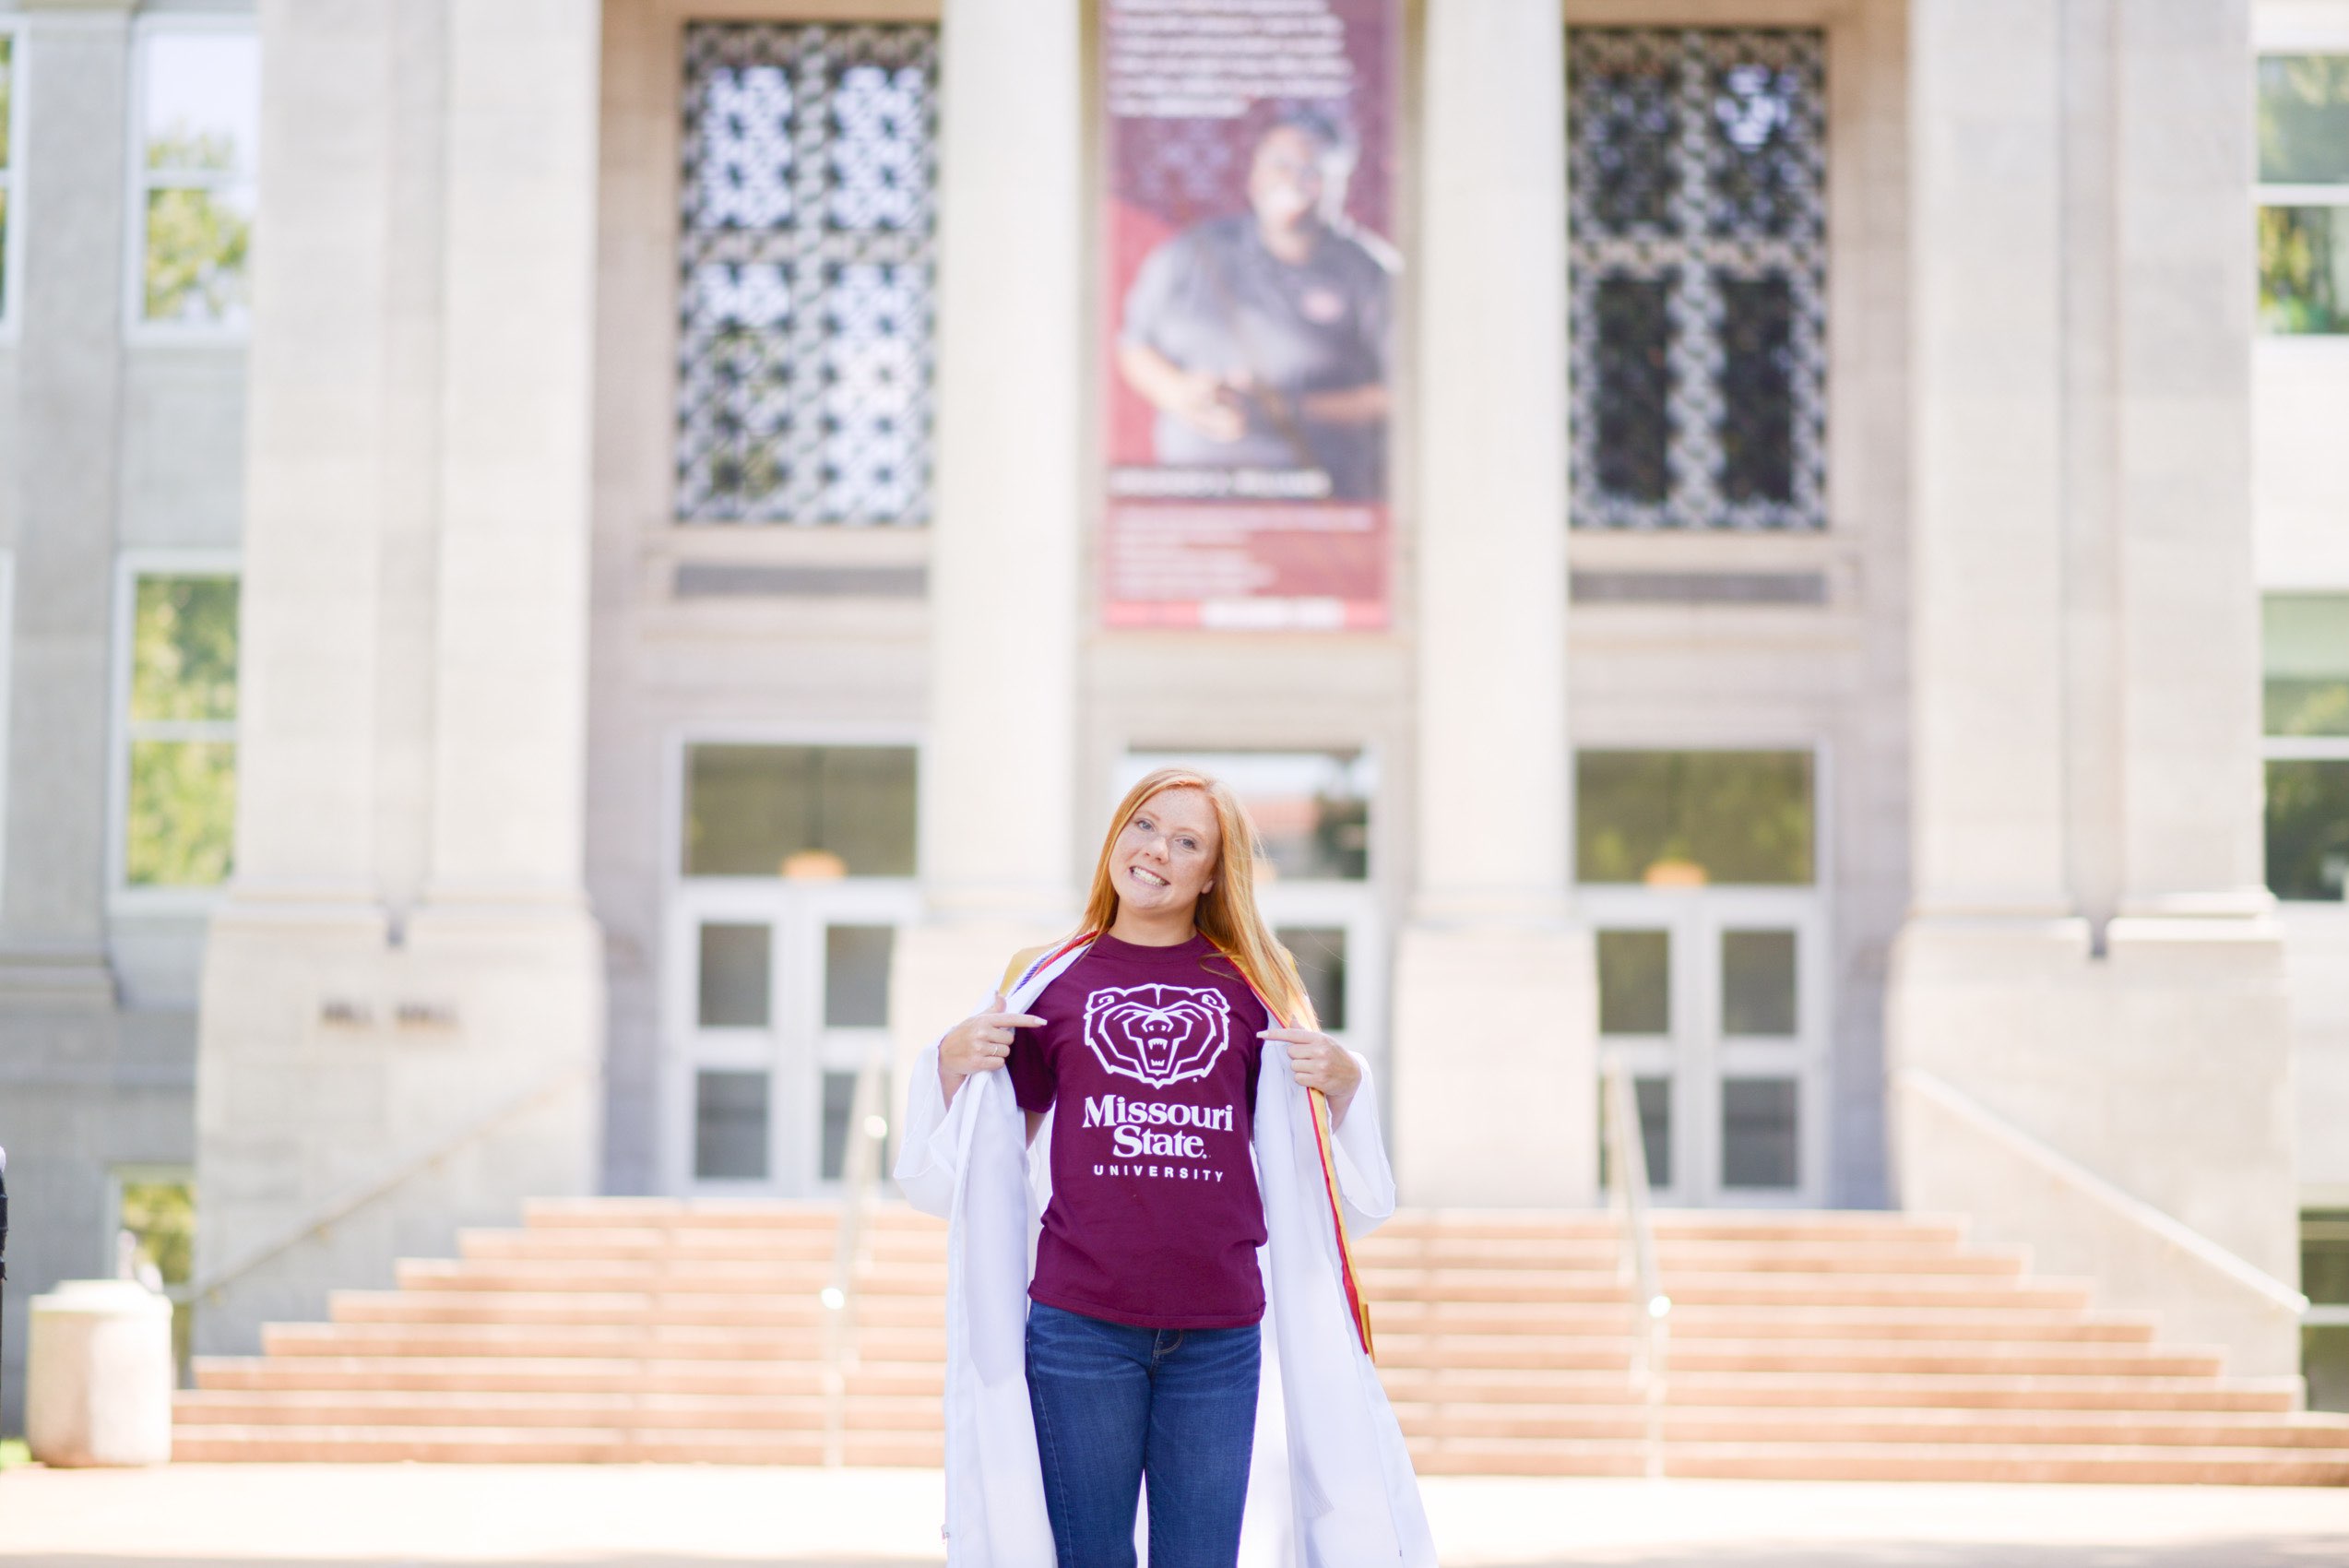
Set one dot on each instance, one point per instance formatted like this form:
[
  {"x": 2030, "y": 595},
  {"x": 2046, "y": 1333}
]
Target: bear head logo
[{"x": 1158, "y": 1034}]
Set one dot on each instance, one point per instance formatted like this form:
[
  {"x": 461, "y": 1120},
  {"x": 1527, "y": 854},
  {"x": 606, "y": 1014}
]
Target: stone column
[
  {"x": 2196, "y": 952},
  {"x": 998, "y": 822},
  {"x": 64, "y": 1110},
  {"x": 2086, "y": 644},
  {"x": 1988, "y": 481},
  {"x": 404, "y": 966},
  {"x": 1495, "y": 1021},
  {"x": 2184, "y": 286},
  {"x": 519, "y": 271},
  {"x": 1992, "y": 913},
  {"x": 69, "y": 306}
]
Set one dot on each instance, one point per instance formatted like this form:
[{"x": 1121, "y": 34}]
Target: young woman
[{"x": 1191, "y": 1322}]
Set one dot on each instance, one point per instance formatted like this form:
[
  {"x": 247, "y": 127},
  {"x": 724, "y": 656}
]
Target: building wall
[
  {"x": 2300, "y": 475},
  {"x": 112, "y": 442},
  {"x": 109, "y": 443},
  {"x": 819, "y": 667}
]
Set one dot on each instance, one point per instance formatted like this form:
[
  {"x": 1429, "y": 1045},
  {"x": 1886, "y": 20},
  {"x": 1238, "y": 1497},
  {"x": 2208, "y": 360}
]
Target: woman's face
[
  {"x": 1167, "y": 851},
  {"x": 1285, "y": 179}
]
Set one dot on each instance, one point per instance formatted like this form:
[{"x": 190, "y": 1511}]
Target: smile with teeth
[{"x": 1149, "y": 877}]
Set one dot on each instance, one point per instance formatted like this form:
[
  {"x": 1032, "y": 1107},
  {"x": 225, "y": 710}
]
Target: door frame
[
  {"x": 795, "y": 1047},
  {"x": 1696, "y": 1055},
  {"x": 1355, "y": 908}
]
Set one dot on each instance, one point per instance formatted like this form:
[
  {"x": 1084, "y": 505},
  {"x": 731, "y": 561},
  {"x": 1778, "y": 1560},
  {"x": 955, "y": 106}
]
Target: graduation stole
[{"x": 1358, "y": 1306}]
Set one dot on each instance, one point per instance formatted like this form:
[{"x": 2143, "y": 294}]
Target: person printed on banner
[{"x": 1261, "y": 338}]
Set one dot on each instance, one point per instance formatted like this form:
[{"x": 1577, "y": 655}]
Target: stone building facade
[{"x": 373, "y": 435}]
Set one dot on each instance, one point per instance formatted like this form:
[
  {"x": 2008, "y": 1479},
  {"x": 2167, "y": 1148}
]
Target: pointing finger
[{"x": 1020, "y": 1020}]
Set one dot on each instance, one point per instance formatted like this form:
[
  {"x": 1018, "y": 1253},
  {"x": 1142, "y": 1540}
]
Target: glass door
[
  {"x": 1715, "y": 999},
  {"x": 779, "y": 996},
  {"x": 1699, "y": 872},
  {"x": 1332, "y": 932}
]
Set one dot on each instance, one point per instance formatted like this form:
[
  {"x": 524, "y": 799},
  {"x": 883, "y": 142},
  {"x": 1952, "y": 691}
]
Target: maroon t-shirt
[{"x": 1149, "y": 1056}]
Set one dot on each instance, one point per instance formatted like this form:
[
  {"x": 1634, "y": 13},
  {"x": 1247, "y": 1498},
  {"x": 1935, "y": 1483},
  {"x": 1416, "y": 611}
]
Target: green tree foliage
[
  {"x": 198, "y": 237},
  {"x": 179, "y": 828},
  {"x": 2307, "y": 828},
  {"x": 2303, "y": 119},
  {"x": 184, "y": 649},
  {"x": 2297, "y": 707},
  {"x": 160, "y": 1215},
  {"x": 2303, "y": 270}
]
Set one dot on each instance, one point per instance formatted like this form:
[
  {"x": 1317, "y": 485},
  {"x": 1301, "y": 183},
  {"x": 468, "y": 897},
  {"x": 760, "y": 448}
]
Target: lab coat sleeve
[
  {"x": 1365, "y": 1180},
  {"x": 929, "y": 1156}
]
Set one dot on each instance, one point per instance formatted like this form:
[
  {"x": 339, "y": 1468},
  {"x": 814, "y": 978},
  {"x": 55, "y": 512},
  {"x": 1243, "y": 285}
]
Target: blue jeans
[{"x": 1114, "y": 1404}]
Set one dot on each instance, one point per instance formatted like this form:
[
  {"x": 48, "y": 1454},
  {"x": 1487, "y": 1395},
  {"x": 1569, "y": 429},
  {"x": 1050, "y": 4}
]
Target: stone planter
[{"x": 99, "y": 1375}]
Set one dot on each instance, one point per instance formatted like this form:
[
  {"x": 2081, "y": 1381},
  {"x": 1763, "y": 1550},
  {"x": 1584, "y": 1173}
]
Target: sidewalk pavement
[{"x": 651, "y": 1516}]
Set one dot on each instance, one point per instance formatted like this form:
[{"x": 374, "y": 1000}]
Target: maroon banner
[{"x": 1251, "y": 302}]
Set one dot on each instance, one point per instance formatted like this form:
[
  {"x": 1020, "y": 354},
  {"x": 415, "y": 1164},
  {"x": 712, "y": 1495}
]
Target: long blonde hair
[{"x": 1227, "y": 914}]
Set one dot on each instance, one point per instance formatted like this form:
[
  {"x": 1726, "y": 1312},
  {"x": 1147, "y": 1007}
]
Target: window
[
  {"x": 1652, "y": 1102},
  {"x": 198, "y": 131},
  {"x": 1311, "y": 809},
  {"x": 1319, "y": 952},
  {"x": 2324, "y": 1334},
  {"x": 736, "y": 979},
  {"x": 1698, "y": 209},
  {"x": 11, "y": 141},
  {"x": 805, "y": 342},
  {"x": 730, "y": 1126},
  {"x": 803, "y": 811},
  {"x": 2307, "y": 722},
  {"x": 175, "y": 767},
  {"x": 155, "y": 1224},
  {"x": 2304, "y": 193},
  {"x": 1688, "y": 819}
]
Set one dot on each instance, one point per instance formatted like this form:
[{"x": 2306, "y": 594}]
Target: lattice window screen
[
  {"x": 1698, "y": 199},
  {"x": 806, "y": 341}
]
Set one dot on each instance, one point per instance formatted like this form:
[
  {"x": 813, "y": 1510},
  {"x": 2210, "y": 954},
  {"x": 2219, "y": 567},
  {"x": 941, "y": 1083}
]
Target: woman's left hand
[{"x": 1320, "y": 1063}]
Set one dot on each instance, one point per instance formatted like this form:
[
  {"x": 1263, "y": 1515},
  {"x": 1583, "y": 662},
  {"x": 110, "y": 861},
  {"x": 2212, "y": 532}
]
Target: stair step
[
  {"x": 670, "y": 1341},
  {"x": 511, "y": 1374},
  {"x": 615, "y": 1309},
  {"x": 1855, "y": 1462},
  {"x": 1491, "y": 1352},
  {"x": 1786, "y": 1390},
  {"x": 541, "y": 1446},
  {"x": 1848, "y": 1345},
  {"x": 1749, "y": 1425},
  {"x": 800, "y": 1413}
]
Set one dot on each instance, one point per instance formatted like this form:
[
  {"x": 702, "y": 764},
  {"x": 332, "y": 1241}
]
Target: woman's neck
[{"x": 1153, "y": 928}]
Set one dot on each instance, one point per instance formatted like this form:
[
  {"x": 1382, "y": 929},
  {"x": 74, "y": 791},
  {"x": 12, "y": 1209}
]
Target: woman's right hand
[{"x": 981, "y": 1043}]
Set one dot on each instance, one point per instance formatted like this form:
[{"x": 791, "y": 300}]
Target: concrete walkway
[{"x": 678, "y": 1517}]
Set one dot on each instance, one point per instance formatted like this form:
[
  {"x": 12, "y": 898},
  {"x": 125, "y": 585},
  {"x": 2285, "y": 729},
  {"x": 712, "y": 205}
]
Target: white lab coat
[{"x": 1331, "y": 1484}]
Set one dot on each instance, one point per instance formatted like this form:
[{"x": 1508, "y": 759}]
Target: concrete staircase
[{"x": 1804, "y": 1345}]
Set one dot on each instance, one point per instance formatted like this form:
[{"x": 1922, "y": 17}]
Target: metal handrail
[
  {"x": 351, "y": 1202},
  {"x": 1635, "y": 1231},
  {"x": 859, "y": 1172}
]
